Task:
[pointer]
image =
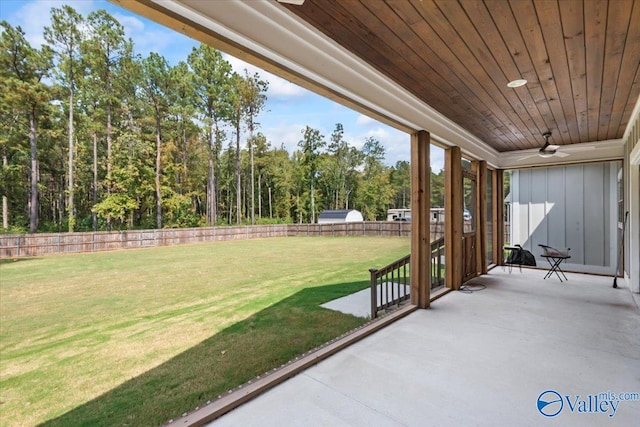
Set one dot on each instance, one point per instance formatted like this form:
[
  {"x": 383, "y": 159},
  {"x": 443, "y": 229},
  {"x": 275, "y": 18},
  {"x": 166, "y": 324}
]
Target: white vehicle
[{"x": 399, "y": 214}]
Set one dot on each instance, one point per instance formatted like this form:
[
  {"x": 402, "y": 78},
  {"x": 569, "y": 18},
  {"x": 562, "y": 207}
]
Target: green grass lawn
[{"x": 139, "y": 337}]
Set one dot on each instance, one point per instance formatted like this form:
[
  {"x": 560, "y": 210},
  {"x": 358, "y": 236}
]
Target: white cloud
[
  {"x": 33, "y": 16},
  {"x": 397, "y": 151},
  {"x": 285, "y": 127},
  {"x": 437, "y": 158},
  {"x": 395, "y": 142},
  {"x": 133, "y": 27},
  {"x": 286, "y": 135},
  {"x": 381, "y": 133},
  {"x": 239, "y": 65},
  {"x": 150, "y": 37},
  {"x": 158, "y": 40},
  {"x": 278, "y": 87},
  {"x": 363, "y": 120}
]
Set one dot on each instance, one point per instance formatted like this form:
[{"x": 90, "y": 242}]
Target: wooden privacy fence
[{"x": 21, "y": 245}]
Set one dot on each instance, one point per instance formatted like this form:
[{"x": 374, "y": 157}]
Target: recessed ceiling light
[{"x": 517, "y": 83}]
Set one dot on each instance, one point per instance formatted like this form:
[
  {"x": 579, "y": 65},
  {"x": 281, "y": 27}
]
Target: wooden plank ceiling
[{"x": 581, "y": 60}]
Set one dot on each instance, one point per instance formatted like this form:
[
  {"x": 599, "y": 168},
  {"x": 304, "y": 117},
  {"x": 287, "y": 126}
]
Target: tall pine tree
[
  {"x": 65, "y": 35},
  {"x": 22, "y": 69}
]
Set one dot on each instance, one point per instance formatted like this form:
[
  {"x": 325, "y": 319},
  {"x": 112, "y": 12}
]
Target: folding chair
[{"x": 555, "y": 257}]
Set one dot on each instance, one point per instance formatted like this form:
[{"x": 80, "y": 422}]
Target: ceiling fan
[
  {"x": 296, "y": 2},
  {"x": 550, "y": 150}
]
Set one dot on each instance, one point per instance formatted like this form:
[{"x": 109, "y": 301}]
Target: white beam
[{"x": 577, "y": 153}]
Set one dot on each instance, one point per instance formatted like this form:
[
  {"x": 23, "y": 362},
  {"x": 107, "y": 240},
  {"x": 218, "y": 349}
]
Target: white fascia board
[
  {"x": 271, "y": 31},
  {"x": 604, "y": 151}
]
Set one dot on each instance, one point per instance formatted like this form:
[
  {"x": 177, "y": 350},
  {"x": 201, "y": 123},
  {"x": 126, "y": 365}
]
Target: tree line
[{"x": 96, "y": 137}]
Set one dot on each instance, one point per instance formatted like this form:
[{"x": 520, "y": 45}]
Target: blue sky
[{"x": 289, "y": 107}]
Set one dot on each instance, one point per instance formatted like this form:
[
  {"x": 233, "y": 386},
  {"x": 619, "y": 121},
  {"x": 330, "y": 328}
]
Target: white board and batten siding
[{"x": 571, "y": 206}]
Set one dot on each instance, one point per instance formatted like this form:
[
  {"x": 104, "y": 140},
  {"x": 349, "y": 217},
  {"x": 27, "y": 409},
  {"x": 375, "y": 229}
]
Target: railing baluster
[
  {"x": 437, "y": 250},
  {"x": 388, "y": 280},
  {"x": 404, "y": 280},
  {"x": 393, "y": 285},
  {"x": 386, "y": 284},
  {"x": 374, "y": 302}
]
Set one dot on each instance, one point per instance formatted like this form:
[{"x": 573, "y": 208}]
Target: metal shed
[{"x": 345, "y": 215}]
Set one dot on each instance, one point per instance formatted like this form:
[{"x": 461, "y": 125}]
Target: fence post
[{"x": 374, "y": 294}]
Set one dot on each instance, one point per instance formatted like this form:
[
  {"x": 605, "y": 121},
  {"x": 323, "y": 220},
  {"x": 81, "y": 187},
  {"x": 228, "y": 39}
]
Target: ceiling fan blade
[
  {"x": 551, "y": 147},
  {"x": 561, "y": 154},
  {"x": 296, "y": 2},
  {"x": 526, "y": 157},
  {"x": 578, "y": 147}
]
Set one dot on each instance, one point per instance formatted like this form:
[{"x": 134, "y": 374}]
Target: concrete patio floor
[{"x": 481, "y": 359}]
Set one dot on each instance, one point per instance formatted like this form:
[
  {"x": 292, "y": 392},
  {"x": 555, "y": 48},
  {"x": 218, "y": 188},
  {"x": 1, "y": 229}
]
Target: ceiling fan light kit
[{"x": 547, "y": 149}]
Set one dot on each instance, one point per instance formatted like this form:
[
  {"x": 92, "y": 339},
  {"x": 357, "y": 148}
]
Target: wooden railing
[
  {"x": 437, "y": 263},
  {"x": 390, "y": 285}
]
